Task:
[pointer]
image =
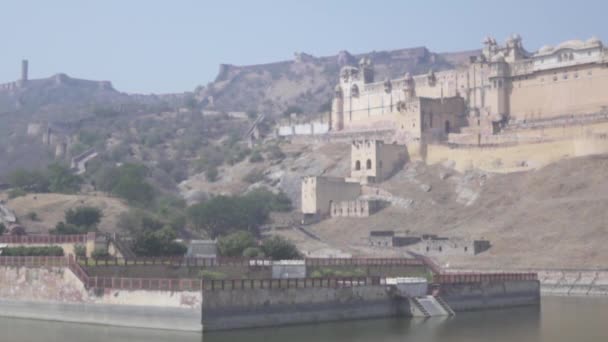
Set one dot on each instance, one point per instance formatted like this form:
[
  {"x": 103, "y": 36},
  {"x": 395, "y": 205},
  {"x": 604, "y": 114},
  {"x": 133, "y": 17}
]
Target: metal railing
[
  {"x": 249, "y": 284},
  {"x": 43, "y": 239},
  {"x": 363, "y": 262}
]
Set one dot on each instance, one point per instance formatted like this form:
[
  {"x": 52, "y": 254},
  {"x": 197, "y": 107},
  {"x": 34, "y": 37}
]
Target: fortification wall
[
  {"x": 552, "y": 93},
  {"x": 514, "y": 158},
  {"x": 55, "y": 293}
]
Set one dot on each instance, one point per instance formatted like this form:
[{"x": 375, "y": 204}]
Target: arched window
[
  {"x": 447, "y": 126},
  {"x": 368, "y": 164},
  {"x": 358, "y": 165}
]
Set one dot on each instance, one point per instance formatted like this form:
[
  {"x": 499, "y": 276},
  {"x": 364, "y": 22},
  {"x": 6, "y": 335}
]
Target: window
[
  {"x": 565, "y": 76},
  {"x": 368, "y": 164},
  {"x": 466, "y": 249},
  {"x": 440, "y": 249},
  {"x": 358, "y": 165}
]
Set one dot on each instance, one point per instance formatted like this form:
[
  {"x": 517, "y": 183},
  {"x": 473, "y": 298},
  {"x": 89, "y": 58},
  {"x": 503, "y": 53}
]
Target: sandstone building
[{"x": 504, "y": 85}]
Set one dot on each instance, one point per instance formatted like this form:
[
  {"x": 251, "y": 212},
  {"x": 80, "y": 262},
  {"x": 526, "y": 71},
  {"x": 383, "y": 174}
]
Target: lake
[{"x": 559, "y": 319}]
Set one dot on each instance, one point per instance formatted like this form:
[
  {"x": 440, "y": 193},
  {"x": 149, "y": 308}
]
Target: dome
[
  {"x": 593, "y": 41},
  {"x": 570, "y": 44},
  {"x": 545, "y": 49}
]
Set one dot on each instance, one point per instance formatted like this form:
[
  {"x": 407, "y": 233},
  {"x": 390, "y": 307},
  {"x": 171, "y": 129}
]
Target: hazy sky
[{"x": 172, "y": 45}]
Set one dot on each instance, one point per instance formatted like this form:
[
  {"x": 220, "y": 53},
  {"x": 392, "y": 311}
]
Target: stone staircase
[{"x": 430, "y": 306}]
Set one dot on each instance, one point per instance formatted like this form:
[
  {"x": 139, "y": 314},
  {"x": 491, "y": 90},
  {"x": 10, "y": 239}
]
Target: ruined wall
[{"x": 55, "y": 293}]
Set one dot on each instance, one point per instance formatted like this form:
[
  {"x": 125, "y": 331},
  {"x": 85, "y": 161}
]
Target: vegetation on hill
[
  {"x": 223, "y": 215},
  {"x": 79, "y": 220},
  {"x": 56, "y": 178},
  {"x": 244, "y": 244}
]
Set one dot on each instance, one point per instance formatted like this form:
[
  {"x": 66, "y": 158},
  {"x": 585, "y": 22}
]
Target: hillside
[{"x": 552, "y": 217}]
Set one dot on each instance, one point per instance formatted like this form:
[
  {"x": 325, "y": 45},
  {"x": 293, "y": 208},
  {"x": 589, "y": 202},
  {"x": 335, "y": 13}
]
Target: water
[{"x": 558, "y": 320}]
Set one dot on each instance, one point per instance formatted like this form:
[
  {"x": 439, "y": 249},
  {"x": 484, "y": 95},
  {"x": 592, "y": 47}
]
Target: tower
[{"x": 24, "y": 66}]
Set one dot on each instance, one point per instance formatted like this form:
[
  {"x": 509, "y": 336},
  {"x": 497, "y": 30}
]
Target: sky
[{"x": 162, "y": 46}]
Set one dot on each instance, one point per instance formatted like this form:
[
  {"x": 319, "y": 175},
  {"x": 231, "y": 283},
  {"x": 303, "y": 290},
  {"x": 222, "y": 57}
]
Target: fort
[{"x": 506, "y": 110}]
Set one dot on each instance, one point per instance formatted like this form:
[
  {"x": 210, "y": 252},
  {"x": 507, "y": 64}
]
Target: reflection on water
[{"x": 558, "y": 320}]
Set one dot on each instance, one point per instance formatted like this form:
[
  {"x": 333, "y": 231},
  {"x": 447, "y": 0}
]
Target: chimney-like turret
[{"x": 24, "y": 66}]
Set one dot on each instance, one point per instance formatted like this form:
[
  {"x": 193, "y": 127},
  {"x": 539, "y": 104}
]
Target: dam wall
[
  {"x": 255, "y": 303},
  {"x": 490, "y": 294},
  {"x": 263, "y": 307}
]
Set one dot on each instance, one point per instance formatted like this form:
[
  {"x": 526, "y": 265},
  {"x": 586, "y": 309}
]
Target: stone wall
[
  {"x": 491, "y": 295},
  {"x": 319, "y": 192},
  {"x": 55, "y": 293},
  {"x": 513, "y": 158},
  {"x": 224, "y": 310}
]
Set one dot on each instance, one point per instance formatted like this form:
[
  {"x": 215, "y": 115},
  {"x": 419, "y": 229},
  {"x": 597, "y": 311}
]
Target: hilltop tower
[{"x": 24, "y": 71}]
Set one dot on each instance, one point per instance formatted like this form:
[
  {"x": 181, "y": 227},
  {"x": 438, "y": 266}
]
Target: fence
[
  {"x": 461, "y": 278},
  {"x": 295, "y": 283},
  {"x": 363, "y": 262},
  {"x": 43, "y": 239},
  {"x": 33, "y": 261},
  {"x": 176, "y": 262}
]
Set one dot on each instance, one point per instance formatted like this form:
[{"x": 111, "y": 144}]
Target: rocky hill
[{"x": 307, "y": 82}]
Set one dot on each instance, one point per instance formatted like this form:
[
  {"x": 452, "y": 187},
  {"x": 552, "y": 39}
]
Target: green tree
[
  {"x": 33, "y": 181},
  {"x": 233, "y": 245},
  {"x": 62, "y": 180},
  {"x": 88, "y": 217},
  {"x": 256, "y": 157},
  {"x": 279, "y": 248}
]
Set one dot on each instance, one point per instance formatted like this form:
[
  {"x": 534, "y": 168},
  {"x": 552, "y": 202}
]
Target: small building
[
  {"x": 318, "y": 193},
  {"x": 381, "y": 238},
  {"x": 288, "y": 269},
  {"x": 202, "y": 249},
  {"x": 389, "y": 238},
  {"x": 354, "y": 208},
  {"x": 374, "y": 161},
  {"x": 450, "y": 246}
]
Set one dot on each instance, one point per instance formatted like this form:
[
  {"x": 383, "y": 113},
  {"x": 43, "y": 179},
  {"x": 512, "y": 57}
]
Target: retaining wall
[
  {"x": 490, "y": 294},
  {"x": 223, "y": 310},
  {"x": 55, "y": 293}
]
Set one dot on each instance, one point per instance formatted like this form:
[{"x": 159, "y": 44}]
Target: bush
[
  {"x": 254, "y": 176},
  {"x": 17, "y": 192},
  {"x": 62, "y": 228},
  {"x": 275, "y": 153},
  {"x": 234, "y": 245},
  {"x": 32, "y": 216},
  {"x": 99, "y": 253},
  {"x": 211, "y": 174},
  {"x": 253, "y": 252},
  {"x": 256, "y": 157},
  {"x": 33, "y": 251},
  {"x": 80, "y": 251},
  {"x": 279, "y": 248}
]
